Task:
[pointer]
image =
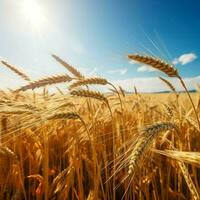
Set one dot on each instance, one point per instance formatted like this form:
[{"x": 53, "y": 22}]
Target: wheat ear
[
  {"x": 169, "y": 111},
  {"x": 89, "y": 81},
  {"x": 69, "y": 115},
  {"x": 46, "y": 81},
  {"x": 156, "y": 63},
  {"x": 189, "y": 181},
  {"x": 135, "y": 90},
  {"x": 89, "y": 93},
  {"x": 167, "y": 69},
  {"x": 16, "y": 71},
  {"x": 172, "y": 88},
  {"x": 183, "y": 156},
  {"x": 5, "y": 151},
  {"x": 122, "y": 91},
  {"x": 74, "y": 71},
  {"x": 146, "y": 138}
]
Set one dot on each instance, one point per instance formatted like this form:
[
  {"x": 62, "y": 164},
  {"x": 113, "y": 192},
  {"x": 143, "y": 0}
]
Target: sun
[{"x": 33, "y": 13}]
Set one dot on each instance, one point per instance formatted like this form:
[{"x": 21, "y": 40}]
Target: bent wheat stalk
[{"x": 145, "y": 140}]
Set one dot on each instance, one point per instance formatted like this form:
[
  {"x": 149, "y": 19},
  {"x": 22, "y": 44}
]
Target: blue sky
[{"x": 96, "y": 36}]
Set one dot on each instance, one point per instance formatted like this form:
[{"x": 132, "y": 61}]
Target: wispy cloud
[
  {"x": 185, "y": 59},
  {"x": 119, "y": 71},
  {"x": 146, "y": 68}
]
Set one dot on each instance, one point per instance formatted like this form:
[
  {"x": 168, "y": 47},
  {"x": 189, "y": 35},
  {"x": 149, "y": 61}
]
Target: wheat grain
[
  {"x": 69, "y": 115},
  {"x": 46, "y": 81},
  {"x": 188, "y": 179},
  {"x": 89, "y": 93},
  {"x": 89, "y": 81},
  {"x": 147, "y": 135},
  {"x": 156, "y": 63},
  {"x": 73, "y": 70},
  {"x": 15, "y": 70},
  {"x": 168, "y": 84}
]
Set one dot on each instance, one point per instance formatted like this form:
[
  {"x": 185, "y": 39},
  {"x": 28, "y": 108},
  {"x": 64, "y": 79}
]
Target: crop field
[{"x": 83, "y": 144}]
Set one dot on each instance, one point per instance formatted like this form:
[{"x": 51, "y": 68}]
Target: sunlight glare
[{"x": 34, "y": 13}]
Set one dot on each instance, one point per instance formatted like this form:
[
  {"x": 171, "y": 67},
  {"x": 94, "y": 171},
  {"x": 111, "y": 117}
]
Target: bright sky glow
[
  {"x": 96, "y": 37},
  {"x": 33, "y": 13}
]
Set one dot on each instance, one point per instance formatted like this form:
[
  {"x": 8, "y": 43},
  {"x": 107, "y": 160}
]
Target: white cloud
[
  {"x": 133, "y": 62},
  {"x": 154, "y": 84},
  {"x": 120, "y": 71},
  {"x": 185, "y": 58},
  {"x": 143, "y": 84},
  {"x": 144, "y": 68}
]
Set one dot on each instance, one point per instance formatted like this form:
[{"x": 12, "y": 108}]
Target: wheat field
[{"x": 82, "y": 144}]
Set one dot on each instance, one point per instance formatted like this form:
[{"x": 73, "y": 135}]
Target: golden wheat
[
  {"x": 16, "y": 71},
  {"x": 69, "y": 115},
  {"x": 168, "y": 84},
  {"x": 89, "y": 93},
  {"x": 88, "y": 81},
  {"x": 155, "y": 63},
  {"x": 73, "y": 70},
  {"x": 148, "y": 134},
  {"x": 45, "y": 154},
  {"x": 46, "y": 81}
]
